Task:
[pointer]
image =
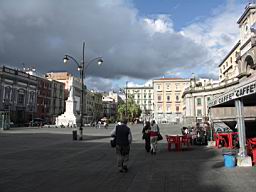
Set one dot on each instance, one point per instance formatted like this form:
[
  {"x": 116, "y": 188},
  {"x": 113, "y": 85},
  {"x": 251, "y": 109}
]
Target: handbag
[
  {"x": 113, "y": 142},
  {"x": 159, "y": 137}
]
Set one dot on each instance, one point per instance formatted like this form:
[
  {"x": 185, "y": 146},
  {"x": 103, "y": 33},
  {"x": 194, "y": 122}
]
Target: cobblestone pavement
[{"x": 34, "y": 159}]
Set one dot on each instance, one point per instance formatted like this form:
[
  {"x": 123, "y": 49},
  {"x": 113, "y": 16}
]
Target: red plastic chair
[
  {"x": 170, "y": 140},
  {"x": 186, "y": 140},
  {"x": 251, "y": 148}
]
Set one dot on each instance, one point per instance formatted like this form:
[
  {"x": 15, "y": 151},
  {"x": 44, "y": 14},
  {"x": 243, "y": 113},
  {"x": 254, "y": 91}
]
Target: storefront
[{"x": 237, "y": 109}]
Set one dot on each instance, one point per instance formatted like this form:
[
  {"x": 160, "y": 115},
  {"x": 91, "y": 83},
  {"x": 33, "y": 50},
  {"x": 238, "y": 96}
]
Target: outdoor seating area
[
  {"x": 230, "y": 140},
  {"x": 178, "y": 141},
  {"x": 226, "y": 139},
  {"x": 251, "y": 149}
]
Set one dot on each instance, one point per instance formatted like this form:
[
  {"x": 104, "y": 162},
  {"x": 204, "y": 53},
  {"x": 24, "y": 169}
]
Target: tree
[{"x": 133, "y": 110}]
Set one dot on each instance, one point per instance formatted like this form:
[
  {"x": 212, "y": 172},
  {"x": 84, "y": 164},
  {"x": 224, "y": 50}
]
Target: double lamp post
[{"x": 81, "y": 67}]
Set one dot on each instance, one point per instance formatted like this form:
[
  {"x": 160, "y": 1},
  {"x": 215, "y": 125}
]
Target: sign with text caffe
[{"x": 247, "y": 89}]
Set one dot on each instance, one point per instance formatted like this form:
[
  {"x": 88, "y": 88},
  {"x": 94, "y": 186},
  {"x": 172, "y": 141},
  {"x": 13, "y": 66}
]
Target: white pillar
[{"x": 241, "y": 127}]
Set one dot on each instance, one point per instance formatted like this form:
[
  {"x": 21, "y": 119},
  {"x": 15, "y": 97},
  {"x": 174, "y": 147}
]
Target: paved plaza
[{"x": 48, "y": 160}]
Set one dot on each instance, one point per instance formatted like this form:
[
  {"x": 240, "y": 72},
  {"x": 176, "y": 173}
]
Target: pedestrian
[
  {"x": 99, "y": 122},
  {"x": 145, "y": 131},
  {"x": 123, "y": 140},
  {"x": 153, "y": 137},
  {"x": 105, "y": 124}
]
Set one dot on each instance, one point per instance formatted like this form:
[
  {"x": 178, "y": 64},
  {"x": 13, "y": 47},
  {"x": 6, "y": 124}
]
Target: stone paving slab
[
  {"x": 43, "y": 159},
  {"x": 53, "y": 163}
]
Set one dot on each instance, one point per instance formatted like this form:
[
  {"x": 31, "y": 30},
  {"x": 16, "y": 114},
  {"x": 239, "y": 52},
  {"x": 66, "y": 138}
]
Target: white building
[{"x": 144, "y": 97}]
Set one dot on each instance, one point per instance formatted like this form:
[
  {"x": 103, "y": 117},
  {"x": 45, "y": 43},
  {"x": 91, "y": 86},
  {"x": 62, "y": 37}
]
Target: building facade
[
  {"x": 18, "y": 95},
  {"x": 109, "y": 107},
  {"x": 238, "y": 65},
  {"x": 228, "y": 68},
  {"x": 168, "y": 105},
  {"x": 196, "y": 98},
  {"x": 92, "y": 108},
  {"x": 144, "y": 97}
]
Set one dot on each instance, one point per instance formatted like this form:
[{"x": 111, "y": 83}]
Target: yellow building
[{"x": 168, "y": 105}]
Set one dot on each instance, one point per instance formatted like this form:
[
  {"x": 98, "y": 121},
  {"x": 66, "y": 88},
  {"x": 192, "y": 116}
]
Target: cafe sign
[{"x": 247, "y": 89}]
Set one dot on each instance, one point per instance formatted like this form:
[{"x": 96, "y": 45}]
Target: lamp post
[
  {"x": 126, "y": 97},
  {"x": 81, "y": 67}
]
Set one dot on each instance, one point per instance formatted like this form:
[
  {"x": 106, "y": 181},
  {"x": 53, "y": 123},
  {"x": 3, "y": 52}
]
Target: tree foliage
[{"x": 133, "y": 110}]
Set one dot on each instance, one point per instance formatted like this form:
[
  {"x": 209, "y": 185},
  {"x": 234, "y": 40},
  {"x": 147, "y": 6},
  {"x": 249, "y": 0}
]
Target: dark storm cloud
[{"x": 39, "y": 32}]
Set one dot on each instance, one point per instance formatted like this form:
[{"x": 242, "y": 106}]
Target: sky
[{"x": 139, "y": 40}]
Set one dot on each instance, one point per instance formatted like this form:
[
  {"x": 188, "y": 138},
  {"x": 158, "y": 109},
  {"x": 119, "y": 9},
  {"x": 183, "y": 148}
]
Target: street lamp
[
  {"x": 126, "y": 97},
  {"x": 81, "y": 67}
]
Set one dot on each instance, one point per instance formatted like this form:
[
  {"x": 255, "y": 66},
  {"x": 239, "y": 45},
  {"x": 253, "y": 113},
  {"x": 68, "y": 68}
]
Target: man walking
[{"x": 123, "y": 140}]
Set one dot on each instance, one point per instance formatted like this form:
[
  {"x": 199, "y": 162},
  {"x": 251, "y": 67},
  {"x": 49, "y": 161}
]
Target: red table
[
  {"x": 227, "y": 138},
  {"x": 177, "y": 140}
]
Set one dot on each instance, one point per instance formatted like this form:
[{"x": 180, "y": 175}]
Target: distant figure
[
  {"x": 123, "y": 140},
  {"x": 105, "y": 125},
  {"x": 146, "y": 136},
  {"x": 99, "y": 122},
  {"x": 153, "y": 136}
]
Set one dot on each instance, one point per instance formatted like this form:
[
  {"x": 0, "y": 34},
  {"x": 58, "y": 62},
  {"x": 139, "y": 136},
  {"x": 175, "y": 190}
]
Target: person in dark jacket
[
  {"x": 123, "y": 140},
  {"x": 146, "y": 136}
]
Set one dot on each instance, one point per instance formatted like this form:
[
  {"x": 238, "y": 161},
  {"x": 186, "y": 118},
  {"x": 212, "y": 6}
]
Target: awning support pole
[{"x": 241, "y": 127}]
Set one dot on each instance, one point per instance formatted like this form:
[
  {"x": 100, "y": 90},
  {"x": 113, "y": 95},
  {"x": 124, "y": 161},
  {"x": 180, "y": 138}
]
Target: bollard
[{"x": 74, "y": 132}]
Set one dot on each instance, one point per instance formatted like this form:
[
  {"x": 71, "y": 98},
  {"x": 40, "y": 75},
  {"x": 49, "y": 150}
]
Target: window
[
  {"x": 159, "y": 98},
  {"x": 145, "y": 101},
  {"x": 158, "y": 87},
  {"x": 7, "y": 93},
  {"x": 168, "y": 86},
  {"x": 177, "y": 86},
  {"x": 31, "y": 97},
  {"x": 145, "y": 96},
  {"x": 208, "y": 98},
  {"x": 230, "y": 59},
  {"x": 149, "y": 95},
  {"x": 177, "y": 97},
  {"x": 199, "y": 102},
  {"x": 21, "y": 98},
  {"x": 168, "y": 98},
  {"x": 177, "y": 108},
  {"x": 168, "y": 108},
  {"x": 199, "y": 112}
]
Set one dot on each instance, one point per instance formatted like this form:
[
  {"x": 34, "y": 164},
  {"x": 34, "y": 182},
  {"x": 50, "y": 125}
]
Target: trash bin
[
  {"x": 229, "y": 158},
  {"x": 74, "y": 132}
]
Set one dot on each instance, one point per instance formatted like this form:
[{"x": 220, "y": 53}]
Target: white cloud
[
  {"x": 161, "y": 24},
  {"x": 217, "y": 34}
]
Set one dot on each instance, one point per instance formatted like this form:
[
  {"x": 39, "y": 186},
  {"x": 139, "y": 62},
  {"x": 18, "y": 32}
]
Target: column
[{"x": 241, "y": 127}]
